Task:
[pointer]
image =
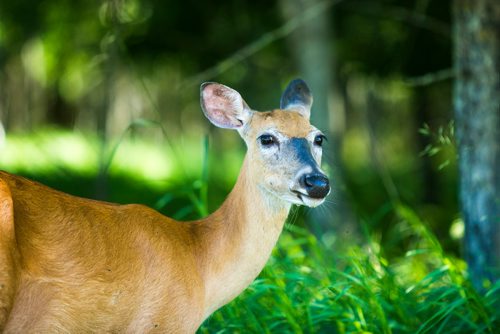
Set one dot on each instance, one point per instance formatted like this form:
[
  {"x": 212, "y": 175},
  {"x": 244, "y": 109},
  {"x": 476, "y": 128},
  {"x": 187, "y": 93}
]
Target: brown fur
[
  {"x": 291, "y": 124},
  {"x": 93, "y": 266}
]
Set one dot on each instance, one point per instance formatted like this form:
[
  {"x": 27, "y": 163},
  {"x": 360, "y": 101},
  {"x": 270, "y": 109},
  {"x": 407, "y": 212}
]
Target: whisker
[{"x": 293, "y": 216}]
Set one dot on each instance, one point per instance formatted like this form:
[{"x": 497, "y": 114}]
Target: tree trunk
[
  {"x": 110, "y": 69},
  {"x": 477, "y": 114},
  {"x": 311, "y": 47}
]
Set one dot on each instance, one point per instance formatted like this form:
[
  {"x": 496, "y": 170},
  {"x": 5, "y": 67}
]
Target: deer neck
[{"x": 236, "y": 241}]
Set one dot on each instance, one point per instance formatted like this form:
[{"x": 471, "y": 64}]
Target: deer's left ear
[
  {"x": 297, "y": 97},
  {"x": 224, "y": 106}
]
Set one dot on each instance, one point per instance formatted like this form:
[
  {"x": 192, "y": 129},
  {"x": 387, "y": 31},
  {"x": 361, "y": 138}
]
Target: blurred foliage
[{"x": 107, "y": 91}]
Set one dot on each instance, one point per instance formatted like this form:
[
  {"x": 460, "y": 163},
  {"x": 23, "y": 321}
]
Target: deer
[{"x": 75, "y": 265}]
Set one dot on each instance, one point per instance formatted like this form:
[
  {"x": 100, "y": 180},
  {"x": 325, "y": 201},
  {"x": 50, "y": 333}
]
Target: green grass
[
  {"x": 305, "y": 287},
  {"x": 308, "y": 288}
]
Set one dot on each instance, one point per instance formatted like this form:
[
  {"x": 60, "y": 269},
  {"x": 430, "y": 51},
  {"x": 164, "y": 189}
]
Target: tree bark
[
  {"x": 477, "y": 114},
  {"x": 110, "y": 69},
  {"x": 311, "y": 47}
]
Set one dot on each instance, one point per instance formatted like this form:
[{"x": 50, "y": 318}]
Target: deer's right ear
[
  {"x": 297, "y": 96},
  {"x": 224, "y": 106}
]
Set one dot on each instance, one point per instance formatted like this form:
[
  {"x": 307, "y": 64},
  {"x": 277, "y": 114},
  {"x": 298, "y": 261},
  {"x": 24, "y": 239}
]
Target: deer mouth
[{"x": 307, "y": 200}]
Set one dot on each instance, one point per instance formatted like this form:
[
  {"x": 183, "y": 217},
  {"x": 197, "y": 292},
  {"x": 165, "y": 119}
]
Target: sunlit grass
[
  {"x": 146, "y": 160},
  {"x": 51, "y": 150},
  {"x": 48, "y": 150}
]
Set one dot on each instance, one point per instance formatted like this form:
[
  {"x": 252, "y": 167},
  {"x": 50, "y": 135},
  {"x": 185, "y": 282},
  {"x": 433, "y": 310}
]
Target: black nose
[{"x": 316, "y": 184}]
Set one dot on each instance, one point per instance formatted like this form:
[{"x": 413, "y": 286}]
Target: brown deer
[{"x": 73, "y": 265}]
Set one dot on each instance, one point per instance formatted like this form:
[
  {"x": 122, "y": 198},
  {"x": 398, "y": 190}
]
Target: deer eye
[
  {"x": 267, "y": 140},
  {"x": 318, "y": 140}
]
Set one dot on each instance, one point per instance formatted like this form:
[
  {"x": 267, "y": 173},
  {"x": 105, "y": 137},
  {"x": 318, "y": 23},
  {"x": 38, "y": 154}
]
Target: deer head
[{"x": 284, "y": 149}]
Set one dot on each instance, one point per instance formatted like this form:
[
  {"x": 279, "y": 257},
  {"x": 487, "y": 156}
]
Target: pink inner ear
[
  {"x": 222, "y": 105},
  {"x": 223, "y": 120}
]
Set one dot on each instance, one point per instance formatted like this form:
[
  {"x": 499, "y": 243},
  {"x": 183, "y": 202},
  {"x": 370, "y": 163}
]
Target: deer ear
[
  {"x": 224, "y": 106},
  {"x": 297, "y": 97}
]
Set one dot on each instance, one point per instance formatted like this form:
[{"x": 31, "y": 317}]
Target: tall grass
[{"x": 307, "y": 288}]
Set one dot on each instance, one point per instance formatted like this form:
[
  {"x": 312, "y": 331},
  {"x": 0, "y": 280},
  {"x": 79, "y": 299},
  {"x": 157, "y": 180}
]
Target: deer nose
[{"x": 317, "y": 185}]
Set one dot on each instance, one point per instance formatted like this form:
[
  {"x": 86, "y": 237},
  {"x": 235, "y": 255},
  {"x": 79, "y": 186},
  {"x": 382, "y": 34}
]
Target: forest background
[{"x": 101, "y": 99}]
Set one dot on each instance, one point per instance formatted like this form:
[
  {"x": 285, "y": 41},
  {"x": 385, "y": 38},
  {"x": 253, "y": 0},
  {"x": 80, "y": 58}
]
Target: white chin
[
  {"x": 311, "y": 202},
  {"x": 302, "y": 199}
]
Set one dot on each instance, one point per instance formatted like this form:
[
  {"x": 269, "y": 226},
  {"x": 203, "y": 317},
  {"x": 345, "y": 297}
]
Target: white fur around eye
[{"x": 316, "y": 150}]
